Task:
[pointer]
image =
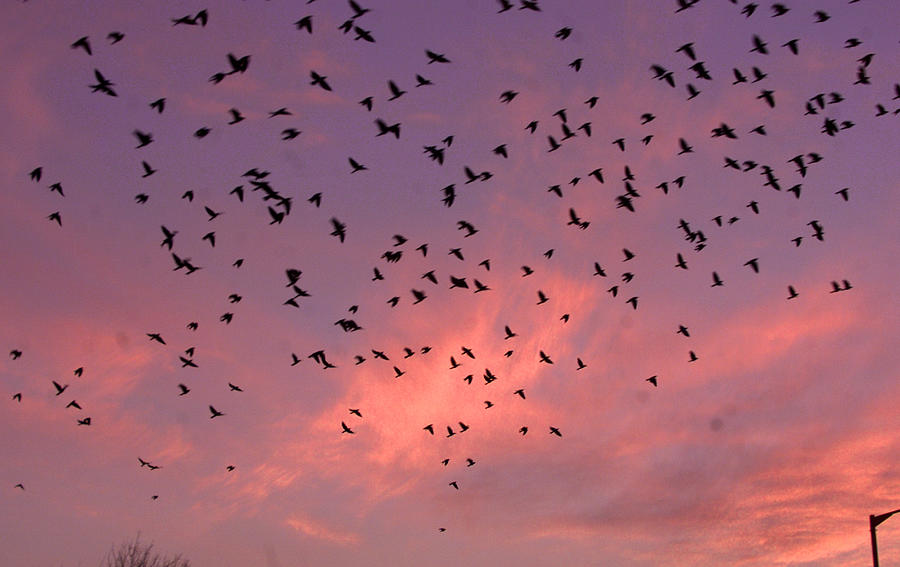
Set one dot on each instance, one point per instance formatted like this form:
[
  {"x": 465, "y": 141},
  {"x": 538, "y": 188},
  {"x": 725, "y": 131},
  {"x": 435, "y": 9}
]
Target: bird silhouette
[
  {"x": 508, "y": 96},
  {"x": 688, "y": 50},
  {"x": 236, "y": 116},
  {"x": 363, "y": 34},
  {"x": 356, "y": 165},
  {"x": 754, "y": 264},
  {"x": 396, "y": 92},
  {"x": 340, "y": 229},
  {"x": 319, "y": 80},
  {"x": 304, "y": 23},
  {"x": 82, "y": 43},
  {"x": 144, "y": 138},
  {"x": 383, "y": 128},
  {"x": 238, "y": 64},
  {"x": 792, "y": 46},
  {"x": 103, "y": 85},
  {"x": 435, "y": 57},
  {"x": 759, "y": 46}
]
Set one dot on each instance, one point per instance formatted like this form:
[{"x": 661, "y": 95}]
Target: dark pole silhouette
[{"x": 874, "y": 521}]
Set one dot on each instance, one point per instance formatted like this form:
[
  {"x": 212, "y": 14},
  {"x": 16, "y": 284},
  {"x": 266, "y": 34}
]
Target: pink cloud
[{"x": 316, "y": 530}]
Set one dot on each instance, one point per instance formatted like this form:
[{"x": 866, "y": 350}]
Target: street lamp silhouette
[{"x": 874, "y": 521}]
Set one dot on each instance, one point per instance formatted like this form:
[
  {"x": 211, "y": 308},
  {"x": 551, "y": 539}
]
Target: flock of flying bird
[{"x": 280, "y": 205}]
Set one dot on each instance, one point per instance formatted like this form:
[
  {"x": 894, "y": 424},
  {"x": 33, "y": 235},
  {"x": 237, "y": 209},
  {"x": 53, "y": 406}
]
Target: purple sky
[{"x": 771, "y": 448}]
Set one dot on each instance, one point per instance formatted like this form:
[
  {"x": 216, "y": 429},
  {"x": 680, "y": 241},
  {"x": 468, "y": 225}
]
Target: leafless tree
[{"x": 139, "y": 554}]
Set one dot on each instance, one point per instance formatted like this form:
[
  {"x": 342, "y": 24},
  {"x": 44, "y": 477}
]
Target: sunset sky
[{"x": 769, "y": 437}]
